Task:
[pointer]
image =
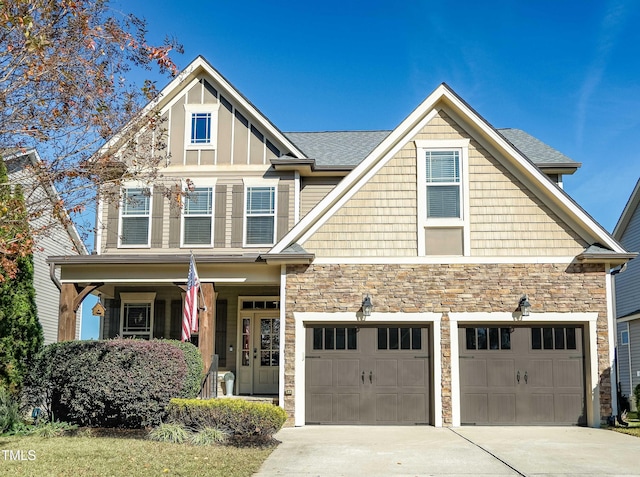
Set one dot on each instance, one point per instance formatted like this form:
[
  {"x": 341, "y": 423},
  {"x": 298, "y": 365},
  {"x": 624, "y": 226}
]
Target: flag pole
[{"x": 204, "y": 303}]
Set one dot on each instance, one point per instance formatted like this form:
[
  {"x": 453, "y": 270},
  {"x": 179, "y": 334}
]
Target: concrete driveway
[{"x": 465, "y": 451}]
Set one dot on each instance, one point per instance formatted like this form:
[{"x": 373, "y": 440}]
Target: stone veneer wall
[{"x": 448, "y": 288}]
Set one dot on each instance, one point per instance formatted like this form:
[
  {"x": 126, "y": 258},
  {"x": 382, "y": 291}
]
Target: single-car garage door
[
  {"x": 522, "y": 375},
  {"x": 367, "y": 375}
]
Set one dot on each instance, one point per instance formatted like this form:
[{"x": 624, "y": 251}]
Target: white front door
[{"x": 258, "y": 369}]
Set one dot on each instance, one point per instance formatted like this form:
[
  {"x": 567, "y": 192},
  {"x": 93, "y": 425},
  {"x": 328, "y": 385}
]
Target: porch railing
[{"x": 209, "y": 385}]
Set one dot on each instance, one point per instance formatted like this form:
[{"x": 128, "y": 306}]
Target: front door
[{"x": 260, "y": 353}]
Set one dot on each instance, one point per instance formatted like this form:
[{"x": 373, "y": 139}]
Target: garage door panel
[
  {"x": 537, "y": 408},
  {"x": 319, "y": 372},
  {"x": 414, "y": 407},
  {"x": 565, "y": 408},
  {"x": 475, "y": 408},
  {"x": 320, "y": 408},
  {"x": 347, "y": 372},
  {"x": 540, "y": 373},
  {"x": 501, "y": 373},
  {"x": 414, "y": 372},
  {"x": 502, "y": 408},
  {"x": 568, "y": 373},
  {"x": 386, "y": 373},
  {"x": 473, "y": 372},
  {"x": 386, "y": 408},
  {"x": 348, "y": 407}
]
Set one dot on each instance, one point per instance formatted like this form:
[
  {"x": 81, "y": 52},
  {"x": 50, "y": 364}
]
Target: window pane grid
[
  {"x": 260, "y": 213},
  {"x": 443, "y": 184},
  {"x": 198, "y": 220},
  {"x": 200, "y": 128},
  {"x": 488, "y": 338}
]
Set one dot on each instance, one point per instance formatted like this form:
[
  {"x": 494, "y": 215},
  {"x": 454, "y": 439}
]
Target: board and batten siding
[
  {"x": 634, "y": 343},
  {"x": 627, "y": 282},
  {"x": 381, "y": 218}
]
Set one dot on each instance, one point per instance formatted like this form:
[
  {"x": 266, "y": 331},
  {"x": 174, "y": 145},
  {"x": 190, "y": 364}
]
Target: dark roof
[{"x": 349, "y": 148}]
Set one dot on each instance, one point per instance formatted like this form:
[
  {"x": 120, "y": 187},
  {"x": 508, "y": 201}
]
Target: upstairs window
[
  {"x": 260, "y": 215},
  {"x": 197, "y": 217},
  {"x": 201, "y": 125},
  {"x": 443, "y": 184},
  {"x": 201, "y": 128},
  {"x": 135, "y": 217}
]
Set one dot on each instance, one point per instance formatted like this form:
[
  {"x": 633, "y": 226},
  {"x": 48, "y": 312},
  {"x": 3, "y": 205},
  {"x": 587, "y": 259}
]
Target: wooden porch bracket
[{"x": 70, "y": 300}]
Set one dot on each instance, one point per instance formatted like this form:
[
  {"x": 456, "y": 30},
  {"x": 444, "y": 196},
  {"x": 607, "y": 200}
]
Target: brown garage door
[
  {"x": 522, "y": 375},
  {"x": 367, "y": 375}
]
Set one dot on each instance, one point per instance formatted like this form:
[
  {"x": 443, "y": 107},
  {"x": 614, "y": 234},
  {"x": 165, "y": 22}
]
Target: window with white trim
[
  {"x": 260, "y": 215},
  {"x": 443, "y": 184},
  {"x": 197, "y": 217},
  {"x": 135, "y": 217},
  {"x": 201, "y": 125},
  {"x": 443, "y": 188},
  {"x": 137, "y": 315}
]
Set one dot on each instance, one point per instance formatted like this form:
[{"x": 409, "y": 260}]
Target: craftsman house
[
  {"x": 51, "y": 237},
  {"x": 432, "y": 274}
]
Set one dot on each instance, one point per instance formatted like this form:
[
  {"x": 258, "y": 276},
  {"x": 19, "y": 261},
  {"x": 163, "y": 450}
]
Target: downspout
[{"x": 54, "y": 279}]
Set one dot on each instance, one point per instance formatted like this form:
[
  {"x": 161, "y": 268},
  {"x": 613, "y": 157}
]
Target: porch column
[
  {"x": 207, "y": 331},
  {"x": 67, "y": 314}
]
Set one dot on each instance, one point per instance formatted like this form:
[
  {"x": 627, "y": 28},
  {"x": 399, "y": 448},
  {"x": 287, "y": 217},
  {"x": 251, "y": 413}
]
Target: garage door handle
[
  {"x": 362, "y": 377},
  {"x": 370, "y": 376},
  {"x": 518, "y": 377},
  {"x": 526, "y": 378}
]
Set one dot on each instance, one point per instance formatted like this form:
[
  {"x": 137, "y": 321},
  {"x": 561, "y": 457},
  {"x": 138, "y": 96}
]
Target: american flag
[{"x": 190, "y": 312}]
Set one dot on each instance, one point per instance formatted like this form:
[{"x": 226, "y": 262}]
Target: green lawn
[{"x": 119, "y": 456}]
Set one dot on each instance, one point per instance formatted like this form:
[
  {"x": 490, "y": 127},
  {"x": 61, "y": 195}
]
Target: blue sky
[{"x": 566, "y": 72}]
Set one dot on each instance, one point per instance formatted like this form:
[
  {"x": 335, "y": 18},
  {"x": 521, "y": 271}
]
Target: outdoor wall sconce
[
  {"x": 230, "y": 348},
  {"x": 367, "y": 306},
  {"x": 524, "y": 306}
]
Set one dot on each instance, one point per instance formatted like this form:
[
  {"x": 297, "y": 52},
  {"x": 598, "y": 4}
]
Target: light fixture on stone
[
  {"x": 367, "y": 306},
  {"x": 524, "y": 306}
]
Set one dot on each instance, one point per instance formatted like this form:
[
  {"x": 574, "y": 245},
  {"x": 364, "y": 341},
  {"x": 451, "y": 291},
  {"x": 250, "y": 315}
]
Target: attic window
[{"x": 201, "y": 125}]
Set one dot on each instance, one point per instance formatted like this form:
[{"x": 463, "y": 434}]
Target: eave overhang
[
  {"x": 598, "y": 254},
  {"x": 308, "y": 167},
  {"x": 154, "y": 259}
]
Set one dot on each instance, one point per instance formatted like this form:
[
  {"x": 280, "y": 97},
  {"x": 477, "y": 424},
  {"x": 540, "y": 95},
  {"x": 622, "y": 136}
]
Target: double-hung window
[
  {"x": 260, "y": 215},
  {"x": 443, "y": 183},
  {"x": 135, "y": 217},
  {"x": 200, "y": 128},
  {"x": 197, "y": 217},
  {"x": 443, "y": 191}
]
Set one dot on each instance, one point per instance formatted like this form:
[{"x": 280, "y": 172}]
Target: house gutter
[{"x": 52, "y": 275}]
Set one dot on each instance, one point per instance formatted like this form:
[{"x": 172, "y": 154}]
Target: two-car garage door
[
  {"x": 522, "y": 375},
  {"x": 367, "y": 375}
]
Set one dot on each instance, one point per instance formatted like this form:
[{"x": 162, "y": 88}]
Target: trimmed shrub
[
  {"x": 195, "y": 369},
  {"x": 244, "y": 421},
  {"x": 115, "y": 383}
]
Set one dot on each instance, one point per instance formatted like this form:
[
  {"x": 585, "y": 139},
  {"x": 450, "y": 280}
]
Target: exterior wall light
[
  {"x": 367, "y": 306},
  {"x": 524, "y": 306}
]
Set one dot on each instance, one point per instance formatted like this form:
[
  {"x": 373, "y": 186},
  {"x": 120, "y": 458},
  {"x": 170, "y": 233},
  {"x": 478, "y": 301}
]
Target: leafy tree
[
  {"x": 20, "y": 331},
  {"x": 64, "y": 91}
]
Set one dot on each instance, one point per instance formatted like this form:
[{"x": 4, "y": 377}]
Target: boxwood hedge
[
  {"x": 244, "y": 421},
  {"x": 114, "y": 383}
]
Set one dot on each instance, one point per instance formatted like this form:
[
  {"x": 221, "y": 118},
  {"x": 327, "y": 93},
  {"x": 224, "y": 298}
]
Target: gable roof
[
  {"x": 627, "y": 213},
  {"x": 350, "y": 148},
  {"x": 15, "y": 160},
  {"x": 197, "y": 67},
  {"x": 492, "y": 138}
]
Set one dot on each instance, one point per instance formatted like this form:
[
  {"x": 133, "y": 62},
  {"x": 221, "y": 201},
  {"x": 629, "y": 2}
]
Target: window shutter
[
  {"x": 174, "y": 218},
  {"x": 237, "y": 211},
  {"x": 111, "y": 232},
  {"x": 112, "y": 323},
  {"x": 220, "y": 224},
  {"x": 157, "y": 216},
  {"x": 221, "y": 332},
  {"x": 283, "y": 210},
  {"x": 158, "y": 319}
]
